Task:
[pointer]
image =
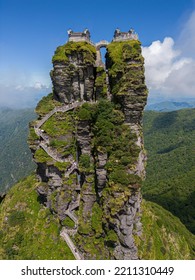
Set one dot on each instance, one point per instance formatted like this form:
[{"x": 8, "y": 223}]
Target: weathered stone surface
[
  {"x": 42, "y": 171},
  {"x": 101, "y": 177},
  {"x": 133, "y": 110},
  {"x": 42, "y": 189},
  {"x": 123, "y": 253},
  {"x": 83, "y": 137},
  {"x": 102, "y": 159},
  {"x": 88, "y": 186},
  {"x": 88, "y": 199},
  {"x": 73, "y": 80}
]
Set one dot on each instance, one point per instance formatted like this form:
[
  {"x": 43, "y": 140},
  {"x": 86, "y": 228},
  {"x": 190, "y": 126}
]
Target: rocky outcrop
[
  {"x": 129, "y": 225},
  {"x": 101, "y": 172},
  {"x": 73, "y": 74},
  {"x": 90, "y": 166},
  {"x": 127, "y": 81},
  {"x": 90, "y": 154},
  {"x": 127, "y": 85},
  {"x": 88, "y": 196}
]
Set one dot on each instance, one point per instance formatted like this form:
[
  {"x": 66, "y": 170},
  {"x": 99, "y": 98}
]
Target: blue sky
[{"x": 30, "y": 31}]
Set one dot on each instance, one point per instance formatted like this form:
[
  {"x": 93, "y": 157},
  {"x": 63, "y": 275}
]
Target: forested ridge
[
  {"x": 15, "y": 157},
  {"x": 169, "y": 140}
]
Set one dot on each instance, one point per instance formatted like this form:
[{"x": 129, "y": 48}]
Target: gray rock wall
[{"x": 75, "y": 80}]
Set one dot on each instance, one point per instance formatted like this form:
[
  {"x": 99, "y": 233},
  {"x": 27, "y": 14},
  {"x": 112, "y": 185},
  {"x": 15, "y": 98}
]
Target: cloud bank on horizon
[
  {"x": 19, "y": 89},
  {"x": 20, "y": 96},
  {"x": 170, "y": 65}
]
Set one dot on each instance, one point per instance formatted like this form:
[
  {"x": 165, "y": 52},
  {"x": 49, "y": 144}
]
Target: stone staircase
[
  {"x": 64, "y": 108},
  {"x": 71, "y": 169},
  {"x": 64, "y": 234},
  {"x": 44, "y": 144}
]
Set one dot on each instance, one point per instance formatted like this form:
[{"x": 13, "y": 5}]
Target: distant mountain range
[
  {"x": 169, "y": 139},
  {"x": 15, "y": 156},
  {"x": 167, "y": 106}
]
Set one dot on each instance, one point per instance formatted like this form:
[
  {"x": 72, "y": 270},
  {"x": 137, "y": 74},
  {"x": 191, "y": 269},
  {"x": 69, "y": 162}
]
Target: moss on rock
[{"x": 86, "y": 50}]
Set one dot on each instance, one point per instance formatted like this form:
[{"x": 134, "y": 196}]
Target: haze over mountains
[
  {"x": 169, "y": 140},
  {"x": 15, "y": 157},
  {"x": 167, "y": 106},
  {"x": 173, "y": 166},
  {"x": 173, "y": 174},
  {"x": 90, "y": 164}
]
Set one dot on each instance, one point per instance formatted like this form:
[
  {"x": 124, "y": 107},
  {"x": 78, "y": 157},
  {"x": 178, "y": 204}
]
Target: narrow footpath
[
  {"x": 44, "y": 144},
  {"x": 71, "y": 245}
]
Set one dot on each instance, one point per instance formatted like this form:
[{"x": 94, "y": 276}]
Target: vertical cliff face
[
  {"x": 127, "y": 82},
  {"x": 73, "y": 72},
  {"x": 88, "y": 147}
]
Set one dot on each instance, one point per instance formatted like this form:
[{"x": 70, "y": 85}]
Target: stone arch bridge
[{"x": 99, "y": 45}]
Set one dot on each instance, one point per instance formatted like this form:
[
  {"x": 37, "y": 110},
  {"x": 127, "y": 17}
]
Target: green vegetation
[
  {"x": 114, "y": 196},
  {"x": 62, "y": 166},
  {"x": 169, "y": 140},
  {"x": 164, "y": 236},
  {"x": 100, "y": 83},
  {"x": 111, "y": 238},
  {"x": 59, "y": 124},
  {"x": 86, "y": 50},
  {"x": 16, "y": 159},
  {"x": 123, "y": 178},
  {"x": 125, "y": 64},
  {"x": 16, "y": 218},
  {"x": 90, "y": 234},
  {"x": 32, "y": 135},
  {"x": 46, "y": 104},
  {"x": 59, "y": 128},
  {"x": 93, "y": 247},
  {"x": 84, "y": 161},
  {"x": 85, "y": 112},
  {"x": 110, "y": 135},
  {"x": 68, "y": 223},
  {"x": 120, "y": 52},
  {"x": 96, "y": 219},
  {"x": 41, "y": 156},
  {"x": 28, "y": 229}
]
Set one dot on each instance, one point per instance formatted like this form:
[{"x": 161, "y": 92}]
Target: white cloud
[
  {"x": 38, "y": 85},
  {"x": 169, "y": 70},
  {"x": 20, "y": 96},
  {"x": 20, "y": 90}
]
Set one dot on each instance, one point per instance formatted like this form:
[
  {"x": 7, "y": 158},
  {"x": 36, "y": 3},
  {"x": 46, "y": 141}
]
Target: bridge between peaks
[
  {"x": 85, "y": 37},
  {"x": 101, "y": 44}
]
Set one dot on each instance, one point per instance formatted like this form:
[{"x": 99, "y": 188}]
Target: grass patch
[
  {"x": 125, "y": 64},
  {"x": 86, "y": 50},
  {"x": 46, "y": 104},
  {"x": 41, "y": 156},
  {"x": 169, "y": 239},
  {"x": 29, "y": 230}
]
